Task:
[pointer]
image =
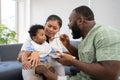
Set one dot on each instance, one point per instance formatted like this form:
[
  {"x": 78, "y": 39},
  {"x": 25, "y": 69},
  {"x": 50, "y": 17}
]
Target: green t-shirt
[{"x": 100, "y": 44}]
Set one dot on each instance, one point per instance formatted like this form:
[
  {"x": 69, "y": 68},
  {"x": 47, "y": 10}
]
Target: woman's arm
[
  {"x": 21, "y": 53},
  {"x": 26, "y": 64},
  {"x": 33, "y": 57}
]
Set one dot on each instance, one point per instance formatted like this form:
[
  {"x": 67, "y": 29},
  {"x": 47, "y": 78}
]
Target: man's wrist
[{"x": 73, "y": 61}]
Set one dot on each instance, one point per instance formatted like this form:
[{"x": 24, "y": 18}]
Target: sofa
[{"x": 10, "y": 68}]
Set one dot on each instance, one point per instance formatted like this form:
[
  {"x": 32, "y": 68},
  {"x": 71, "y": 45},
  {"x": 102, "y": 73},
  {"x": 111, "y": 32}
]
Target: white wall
[
  {"x": 36, "y": 12},
  {"x": 23, "y": 19},
  {"x": 41, "y": 9},
  {"x": 107, "y": 12}
]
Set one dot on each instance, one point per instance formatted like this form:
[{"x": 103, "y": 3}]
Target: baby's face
[{"x": 40, "y": 36}]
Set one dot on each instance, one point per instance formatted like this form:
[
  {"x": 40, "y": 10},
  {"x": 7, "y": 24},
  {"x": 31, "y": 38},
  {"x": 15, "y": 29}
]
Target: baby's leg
[
  {"x": 59, "y": 68},
  {"x": 29, "y": 74},
  {"x": 51, "y": 69},
  {"x": 43, "y": 66}
]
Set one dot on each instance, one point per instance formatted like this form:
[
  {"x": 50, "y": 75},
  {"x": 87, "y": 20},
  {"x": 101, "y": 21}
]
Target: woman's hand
[
  {"x": 65, "y": 39},
  {"x": 34, "y": 58},
  {"x": 26, "y": 65}
]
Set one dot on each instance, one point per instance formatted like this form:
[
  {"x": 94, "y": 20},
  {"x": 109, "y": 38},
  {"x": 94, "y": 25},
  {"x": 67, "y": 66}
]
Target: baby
[{"x": 39, "y": 46}]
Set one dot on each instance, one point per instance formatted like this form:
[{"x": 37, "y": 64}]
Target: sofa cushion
[
  {"x": 9, "y": 52},
  {"x": 10, "y": 70}
]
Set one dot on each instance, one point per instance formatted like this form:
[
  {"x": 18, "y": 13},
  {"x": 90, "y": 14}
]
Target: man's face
[{"x": 76, "y": 32}]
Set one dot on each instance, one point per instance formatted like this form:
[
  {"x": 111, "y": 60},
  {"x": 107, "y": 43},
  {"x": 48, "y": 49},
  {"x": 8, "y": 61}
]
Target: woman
[{"x": 52, "y": 28}]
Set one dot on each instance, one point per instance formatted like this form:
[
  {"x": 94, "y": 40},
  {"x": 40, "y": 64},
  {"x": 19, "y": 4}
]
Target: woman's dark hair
[
  {"x": 33, "y": 30},
  {"x": 55, "y": 18},
  {"x": 85, "y": 11}
]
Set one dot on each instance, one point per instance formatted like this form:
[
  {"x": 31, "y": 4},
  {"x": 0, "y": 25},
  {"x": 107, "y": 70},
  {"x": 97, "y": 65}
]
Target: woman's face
[{"x": 51, "y": 28}]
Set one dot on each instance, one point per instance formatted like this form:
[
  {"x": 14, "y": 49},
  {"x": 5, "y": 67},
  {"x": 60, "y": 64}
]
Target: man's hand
[
  {"x": 26, "y": 65},
  {"x": 34, "y": 58},
  {"x": 65, "y": 59},
  {"x": 65, "y": 39},
  {"x": 66, "y": 42}
]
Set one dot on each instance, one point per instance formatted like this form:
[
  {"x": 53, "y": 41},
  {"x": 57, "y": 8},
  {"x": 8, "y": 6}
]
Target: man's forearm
[
  {"x": 72, "y": 50},
  {"x": 102, "y": 70}
]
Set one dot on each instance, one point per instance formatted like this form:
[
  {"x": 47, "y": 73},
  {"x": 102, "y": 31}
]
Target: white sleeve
[
  {"x": 63, "y": 47},
  {"x": 60, "y": 45},
  {"x": 25, "y": 44}
]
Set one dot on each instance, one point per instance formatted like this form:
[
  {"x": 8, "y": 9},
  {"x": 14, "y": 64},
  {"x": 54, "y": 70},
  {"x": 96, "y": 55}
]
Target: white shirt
[{"x": 56, "y": 44}]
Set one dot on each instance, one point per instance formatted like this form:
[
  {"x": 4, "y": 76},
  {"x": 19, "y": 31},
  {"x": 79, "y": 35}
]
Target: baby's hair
[{"x": 33, "y": 30}]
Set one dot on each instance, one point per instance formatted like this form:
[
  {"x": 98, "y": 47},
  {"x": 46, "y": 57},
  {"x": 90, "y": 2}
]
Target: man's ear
[{"x": 80, "y": 20}]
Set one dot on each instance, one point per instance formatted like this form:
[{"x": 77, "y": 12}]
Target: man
[{"x": 98, "y": 52}]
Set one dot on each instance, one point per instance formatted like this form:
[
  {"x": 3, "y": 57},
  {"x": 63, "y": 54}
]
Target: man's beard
[{"x": 76, "y": 32}]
